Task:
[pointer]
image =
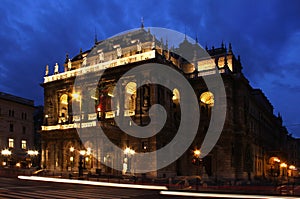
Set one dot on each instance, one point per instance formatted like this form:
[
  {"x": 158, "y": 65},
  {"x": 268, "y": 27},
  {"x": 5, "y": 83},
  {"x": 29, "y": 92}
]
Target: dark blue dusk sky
[{"x": 265, "y": 33}]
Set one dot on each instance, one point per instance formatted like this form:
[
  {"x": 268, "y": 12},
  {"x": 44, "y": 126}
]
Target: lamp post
[
  {"x": 275, "y": 168},
  {"x": 5, "y": 153},
  {"x": 32, "y": 154},
  {"x": 81, "y": 163},
  {"x": 72, "y": 157},
  {"x": 128, "y": 155},
  {"x": 283, "y": 167},
  {"x": 197, "y": 161}
]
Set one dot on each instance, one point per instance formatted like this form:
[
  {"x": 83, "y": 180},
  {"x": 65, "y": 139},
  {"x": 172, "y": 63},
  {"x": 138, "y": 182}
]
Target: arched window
[
  {"x": 207, "y": 98},
  {"x": 176, "y": 96},
  {"x": 109, "y": 98},
  {"x": 130, "y": 96},
  {"x": 63, "y": 108}
]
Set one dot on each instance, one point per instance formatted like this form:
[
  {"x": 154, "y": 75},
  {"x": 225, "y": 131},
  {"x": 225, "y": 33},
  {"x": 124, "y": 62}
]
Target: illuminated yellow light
[
  {"x": 283, "y": 165},
  {"x": 132, "y": 152},
  {"x": 4, "y": 163},
  {"x": 6, "y": 152},
  {"x": 197, "y": 152},
  {"x": 32, "y": 152},
  {"x": 72, "y": 149},
  {"x": 82, "y": 152},
  {"x": 276, "y": 159},
  {"x": 87, "y": 159},
  {"x": 128, "y": 151},
  {"x": 64, "y": 99},
  {"x": 218, "y": 195},
  {"x": 18, "y": 164},
  {"x": 292, "y": 167},
  {"x": 76, "y": 96},
  {"x": 110, "y": 94},
  {"x": 88, "y": 151},
  {"x": 71, "y": 158},
  {"x": 207, "y": 98},
  {"x": 107, "y": 184},
  {"x": 93, "y": 97}
]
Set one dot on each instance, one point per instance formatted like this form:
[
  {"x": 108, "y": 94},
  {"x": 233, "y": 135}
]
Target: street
[
  {"x": 22, "y": 188},
  {"x": 16, "y": 188}
]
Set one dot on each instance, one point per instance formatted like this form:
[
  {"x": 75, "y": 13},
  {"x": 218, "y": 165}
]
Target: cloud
[{"x": 265, "y": 33}]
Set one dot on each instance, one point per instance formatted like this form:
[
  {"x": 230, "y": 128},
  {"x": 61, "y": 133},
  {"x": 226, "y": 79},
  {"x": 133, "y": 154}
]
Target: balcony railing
[
  {"x": 86, "y": 121},
  {"x": 101, "y": 66}
]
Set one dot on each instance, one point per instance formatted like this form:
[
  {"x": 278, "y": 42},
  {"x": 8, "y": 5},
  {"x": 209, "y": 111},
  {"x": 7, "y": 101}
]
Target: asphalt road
[{"x": 16, "y": 188}]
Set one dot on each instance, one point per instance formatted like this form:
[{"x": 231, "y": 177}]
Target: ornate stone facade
[{"x": 251, "y": 136}]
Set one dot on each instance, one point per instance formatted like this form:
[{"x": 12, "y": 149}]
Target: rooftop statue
[{"x": 56, "y": 68}]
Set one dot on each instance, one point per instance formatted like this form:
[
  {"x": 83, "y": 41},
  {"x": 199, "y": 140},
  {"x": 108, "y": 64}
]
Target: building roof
[{"x": 13, "y": 98}]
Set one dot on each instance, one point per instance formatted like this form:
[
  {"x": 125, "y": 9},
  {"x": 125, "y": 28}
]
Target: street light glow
[
  {"x": 88, "y": 151},
  {"x": 6, "y": 152},
  {"x": 276, "y": 159},
  {"x": 82, "y": 152},
  {"x": 283, "y": 165},
  {"x": 72, "y": 149},
  {"x": 197, "y": 152},
  {"x": 32, "y": 152},
  {"x": 76, "y": 96},
  {"x": 129, "y": 151},
  {"x": 292, "y": 167}
]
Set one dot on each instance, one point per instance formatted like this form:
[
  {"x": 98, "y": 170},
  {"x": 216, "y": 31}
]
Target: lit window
[
  {"x": 23, "y": 144},
  {"x": 11, "y": 143},
  {"x": 64, "y": 107},
  {"x": 207, "y": 98},
  {"x": 130, "y": 96},
  {"x": 176, "y": 96}
]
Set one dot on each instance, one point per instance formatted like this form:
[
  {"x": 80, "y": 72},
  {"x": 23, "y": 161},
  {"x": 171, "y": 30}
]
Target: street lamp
[
  {"x": 197, "y": 161},
  {"x": 5, "y": 153},
  {"x": 283, "y": 167},
  {"x": 128, "y": 155},
  {"x": 72, "y": 157},
  {"x": 32, "y": 154},
  {"x": 81, "y": 162}
]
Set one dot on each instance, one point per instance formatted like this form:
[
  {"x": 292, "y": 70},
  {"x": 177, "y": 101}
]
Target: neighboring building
[
  {"x": 16, "y": 129},
  {"x": 252, "y": 138},
  {"x": 38, "y": 122}
]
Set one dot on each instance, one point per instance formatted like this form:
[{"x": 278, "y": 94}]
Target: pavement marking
[
  {"x": 83, "y": 182},
  {"x": 220, "y": 195}
]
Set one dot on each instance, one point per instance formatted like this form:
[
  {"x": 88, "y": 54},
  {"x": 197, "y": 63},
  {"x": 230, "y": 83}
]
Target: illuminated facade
[
  {"x": 252, "y": 135},
  {"x": 16, "y": 130}
]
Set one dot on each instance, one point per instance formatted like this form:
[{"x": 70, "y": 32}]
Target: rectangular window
[
  {"x": 11, "y": 143},
  {"x": 23, "y": 144},
  {"x": 24, "y": 130},
  {"x": 11, "y": 128}
]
